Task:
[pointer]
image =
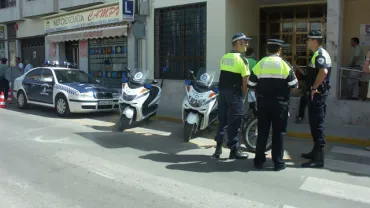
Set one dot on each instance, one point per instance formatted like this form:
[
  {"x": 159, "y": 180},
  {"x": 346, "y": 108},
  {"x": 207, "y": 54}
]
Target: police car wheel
[
  {"x": 22, "y": 100},
  {"x": 61, "y": 106},
  {"x": 189, "y": 131},
  {"x": 250, "y": 133}
]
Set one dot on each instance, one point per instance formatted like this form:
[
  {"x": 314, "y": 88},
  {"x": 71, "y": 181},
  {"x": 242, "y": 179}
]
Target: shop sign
[{"x": 100, "y": 16}]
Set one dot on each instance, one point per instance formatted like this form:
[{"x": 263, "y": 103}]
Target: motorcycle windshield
[
  {"x": 205, "y": 78},
  {"x": 139, "y": 76}
]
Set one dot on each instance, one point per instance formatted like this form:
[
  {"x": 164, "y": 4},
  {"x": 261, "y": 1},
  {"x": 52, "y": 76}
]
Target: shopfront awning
[{"x": 89, "y": 33}]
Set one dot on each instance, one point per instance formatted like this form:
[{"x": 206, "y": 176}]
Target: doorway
[
  {"x": 72, "y": 52},
  {"x": 33, "y": 50},
  {"x": 292, "y": 24}
]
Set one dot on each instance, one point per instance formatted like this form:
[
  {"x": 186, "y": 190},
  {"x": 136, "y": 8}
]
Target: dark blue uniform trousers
[
  {"x": 316, "y": 116},
  {"x": 275, "y": 112},
  {"x": 230, "y": 113}
]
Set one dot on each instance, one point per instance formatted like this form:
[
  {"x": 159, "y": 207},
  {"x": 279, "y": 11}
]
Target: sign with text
[
  {"x": 127, "y": 10},
  {"x": 99, "y": 16}
]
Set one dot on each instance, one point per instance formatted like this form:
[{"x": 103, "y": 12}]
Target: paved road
[{"x": 79, "y": 162}]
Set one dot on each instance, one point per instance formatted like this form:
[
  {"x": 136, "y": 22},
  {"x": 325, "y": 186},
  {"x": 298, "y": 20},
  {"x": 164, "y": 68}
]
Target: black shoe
[
  {"x": 279, "y": 167},
  {"x": 238, "y": 154},
  {"x": 218, "y": 151},
  {"x": 317, "y": 160},
  {"x": 309, "y": 156}
]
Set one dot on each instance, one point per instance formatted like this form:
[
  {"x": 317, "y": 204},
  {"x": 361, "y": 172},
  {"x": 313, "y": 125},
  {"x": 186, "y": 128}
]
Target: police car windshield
[
  {"x": 73, "y": 76},
  {"x": 205, "y": 78}
]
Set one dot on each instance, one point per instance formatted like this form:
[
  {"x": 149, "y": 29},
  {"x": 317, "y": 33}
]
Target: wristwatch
[{"x": 313, "y": 88}]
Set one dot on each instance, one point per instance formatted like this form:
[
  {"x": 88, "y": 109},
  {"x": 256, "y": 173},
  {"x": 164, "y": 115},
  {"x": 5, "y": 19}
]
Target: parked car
[{"x": 65, "y": 89}]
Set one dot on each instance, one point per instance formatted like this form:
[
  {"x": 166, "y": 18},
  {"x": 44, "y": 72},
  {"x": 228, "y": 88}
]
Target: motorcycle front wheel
[
  {"x": 250, "y": 133},
  {"x": 189, "y": 131},
  {"x": 123, "y": 123}
]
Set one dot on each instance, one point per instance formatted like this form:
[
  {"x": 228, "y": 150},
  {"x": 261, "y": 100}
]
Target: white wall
[{"x": 30, "y": 28}]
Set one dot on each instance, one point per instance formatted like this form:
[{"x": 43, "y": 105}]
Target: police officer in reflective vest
[
  {"x": 273, "y": 78},
  {"x": 318, "y": 76},
  {"x": 232, "y": 92}
]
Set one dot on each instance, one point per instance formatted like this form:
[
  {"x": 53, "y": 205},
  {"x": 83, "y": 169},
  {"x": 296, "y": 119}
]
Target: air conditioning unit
[{"x": 144, "y": 7}]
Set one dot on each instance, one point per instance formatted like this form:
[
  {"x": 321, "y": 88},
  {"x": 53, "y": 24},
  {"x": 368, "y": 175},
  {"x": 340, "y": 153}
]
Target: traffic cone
[
  {"x": 2, "y": 101},
  {"x": 9, "y": 100}
]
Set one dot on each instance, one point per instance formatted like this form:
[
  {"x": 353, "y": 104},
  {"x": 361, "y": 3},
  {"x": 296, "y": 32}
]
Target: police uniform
[
  {"x": 317, "y": 105},
  {"x": 230, "y": 100},
  {"x": 273, "y": 78}
]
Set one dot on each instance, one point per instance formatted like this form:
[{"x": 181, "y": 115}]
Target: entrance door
[
  {"x": 292, "y": 24},
  {"x": 33, "y": 50},
  {"x": 72, "y": 52}
]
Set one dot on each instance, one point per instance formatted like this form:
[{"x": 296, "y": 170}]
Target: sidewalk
[{"x": 346, "y": 134}]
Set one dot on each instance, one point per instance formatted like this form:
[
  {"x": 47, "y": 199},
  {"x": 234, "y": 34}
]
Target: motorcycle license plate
[{"x": 105, "y": 102}]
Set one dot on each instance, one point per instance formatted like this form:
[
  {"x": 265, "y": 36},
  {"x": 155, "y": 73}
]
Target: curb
[{"x": 297, "y": 135}]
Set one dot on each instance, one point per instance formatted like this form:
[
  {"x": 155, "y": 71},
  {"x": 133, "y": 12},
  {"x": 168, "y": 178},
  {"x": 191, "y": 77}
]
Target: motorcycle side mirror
[
  {"x": 98, "y": 81},
  {"x": 154, "y": 82},
  {"x": 191, "y": 72},
  {"x": 128, "y": 69}
]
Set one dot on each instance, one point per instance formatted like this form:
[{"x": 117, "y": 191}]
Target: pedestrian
[
  {"x": 318, "y": 77},
  {"x": 4, "y": 77},
  {"x": 273, "y": 78},
  {"x": 27, "y": 67},
  {"x": 232, "y": 94},
  {"x": 301, "y": 75}
]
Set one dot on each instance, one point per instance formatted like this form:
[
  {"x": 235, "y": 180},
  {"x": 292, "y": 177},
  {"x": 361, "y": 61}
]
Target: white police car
[{"x": 65, "y": 89}]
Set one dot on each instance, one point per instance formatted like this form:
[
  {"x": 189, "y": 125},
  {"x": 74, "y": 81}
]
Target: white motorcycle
[
  {"x": 199, "y": 108},
  {"x": 139, "y": 99}
]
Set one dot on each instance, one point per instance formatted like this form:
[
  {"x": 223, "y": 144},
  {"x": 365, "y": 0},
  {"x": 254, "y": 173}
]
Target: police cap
[
  {"x": 240, "y": 36},
  {"x": 275, "y": 42},
  {"x": 314, "y": 34}
]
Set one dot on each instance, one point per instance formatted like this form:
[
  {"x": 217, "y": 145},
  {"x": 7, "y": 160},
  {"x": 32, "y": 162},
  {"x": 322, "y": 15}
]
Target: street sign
[{"x": 128, "y": 10}]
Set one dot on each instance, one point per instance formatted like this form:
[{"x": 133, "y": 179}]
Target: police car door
[
  {"x": 47, "y": 85},
  {"x": 31, "y": 84}
]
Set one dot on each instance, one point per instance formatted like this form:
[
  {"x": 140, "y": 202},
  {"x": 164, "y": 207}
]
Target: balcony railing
[{"x": 350, "y": 84}]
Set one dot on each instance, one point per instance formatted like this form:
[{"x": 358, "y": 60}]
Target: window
[
  {"x": 108, "y": 57},
  {"x": 34, "y": 75},
  {"x": 180, "y": 40},
  {"x": 7, "y": 3},
  {"x": 47, "y": 76}
]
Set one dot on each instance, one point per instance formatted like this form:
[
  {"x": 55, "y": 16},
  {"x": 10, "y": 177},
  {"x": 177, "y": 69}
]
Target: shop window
[
  {"x": 108, "y": 57},
  {"x": 180, "y": 40}
]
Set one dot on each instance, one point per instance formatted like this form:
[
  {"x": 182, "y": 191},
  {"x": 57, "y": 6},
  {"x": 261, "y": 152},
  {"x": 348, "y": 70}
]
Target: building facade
[
  {"x": 95, "y": 39},
  {"x": 193, "y": 34}
]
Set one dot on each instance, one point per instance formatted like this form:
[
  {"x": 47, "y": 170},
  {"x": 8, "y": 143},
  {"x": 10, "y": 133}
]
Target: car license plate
[{"x": 105, "y": 102}]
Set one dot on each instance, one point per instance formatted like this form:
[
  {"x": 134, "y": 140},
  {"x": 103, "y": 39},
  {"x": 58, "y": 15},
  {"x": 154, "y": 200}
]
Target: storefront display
[{"x": 108, "y": 57}]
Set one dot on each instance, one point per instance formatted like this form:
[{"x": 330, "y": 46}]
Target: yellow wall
[{"x": 356, "y": 12}]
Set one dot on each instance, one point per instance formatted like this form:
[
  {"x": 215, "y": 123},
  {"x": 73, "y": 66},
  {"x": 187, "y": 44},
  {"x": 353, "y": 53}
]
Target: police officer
[
  {"x": 318, "y": 76},
  {"x": 4, "y": 77},
  {"x": 232, "y": 93},
  {"x": 273, "y": 78}
]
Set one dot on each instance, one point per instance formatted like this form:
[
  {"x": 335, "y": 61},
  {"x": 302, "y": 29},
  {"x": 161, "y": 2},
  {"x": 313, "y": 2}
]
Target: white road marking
[
  {"x": 350, "y": 151},
  {"x": 337, "y": 189},
  {"x": 191, "y": 195},
  {"x": 148, "y": 132},
  {"x": 347, "y": 167},
  {"x": 60, "y": 141}
]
